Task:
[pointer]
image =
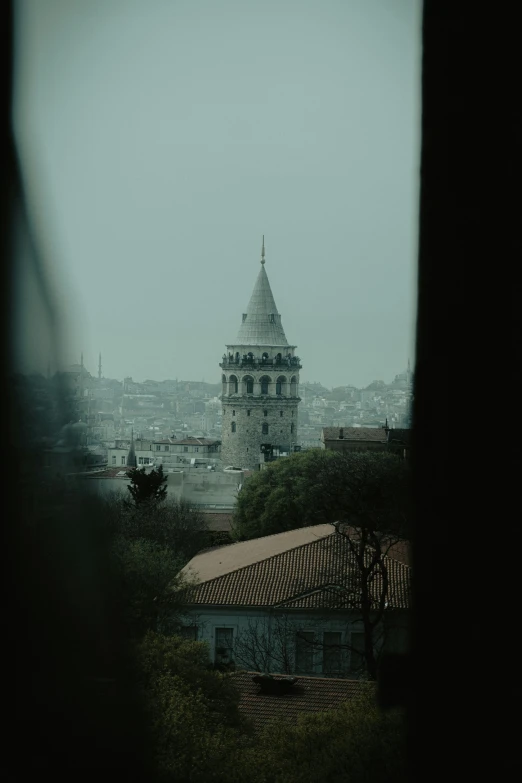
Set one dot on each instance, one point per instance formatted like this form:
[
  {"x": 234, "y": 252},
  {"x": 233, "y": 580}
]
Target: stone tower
[{"x": 260, "y": 381}]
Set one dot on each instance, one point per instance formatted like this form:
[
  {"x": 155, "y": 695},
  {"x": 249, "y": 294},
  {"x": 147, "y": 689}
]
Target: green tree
[
  {"x": 175, "y": 524},
  {"x": 193, "y": 711},
  {"x": 146, "y": 584},
  {"x": 368, "y": 489},
  {"x": 147, "y": 487}
]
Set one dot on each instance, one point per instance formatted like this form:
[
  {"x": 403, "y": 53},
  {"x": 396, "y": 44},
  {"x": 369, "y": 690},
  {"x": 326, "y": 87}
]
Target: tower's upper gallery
[{"x": 261, "y": 322}]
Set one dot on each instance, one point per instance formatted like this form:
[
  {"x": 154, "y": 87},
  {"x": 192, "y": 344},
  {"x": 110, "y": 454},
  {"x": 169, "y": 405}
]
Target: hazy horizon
[{"x": 160, "y": 140}]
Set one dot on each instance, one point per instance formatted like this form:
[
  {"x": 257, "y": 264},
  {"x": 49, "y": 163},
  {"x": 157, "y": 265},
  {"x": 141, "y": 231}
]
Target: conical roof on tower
[{"x": 262, "y": 323}]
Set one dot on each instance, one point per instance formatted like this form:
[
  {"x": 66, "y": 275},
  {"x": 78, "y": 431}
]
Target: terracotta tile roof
[
  {"x": 318, "y": 574},
  {"x": 246, "y": 553},
  {"x": 309, "y": 694},
  {"x": 354, "y": 433},
  {"x": 398, "y": 550}
]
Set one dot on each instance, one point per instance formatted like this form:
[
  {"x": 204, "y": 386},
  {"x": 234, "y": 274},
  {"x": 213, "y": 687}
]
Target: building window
[
  {"x": 272, "y": 318},
  {"x": 224, "y": 645},
  {"x": 197, "y": 448},
  {"x": 292, "y": 428},
  {"x": 166, "y": 448},
  {"x": 123, "y": 460},
  {"x": 250, "y": 387},
  {"x": 248, "y": 413},
  {"x": 264, "y": 429},
  {"x": 140, "y": 460},
  {"x": 265, "y": 413},
  {"x": 185, "y": 448},
  {"x": 292, "y": 411},
  {"x": 332, "y": 653},
  {"x": 278, "y": 387},
  {"x": 264, "y": 385},
  {"x": 233, "y": 426},
  {"x": 357, "y": 651},
  {"x": 304, "y": 652},
  {"x": 114, "y": 460},
  {"x": 158, "y": 447},
  {"x": 233, "y": 413},
  {"x": 280, "y": 413}
]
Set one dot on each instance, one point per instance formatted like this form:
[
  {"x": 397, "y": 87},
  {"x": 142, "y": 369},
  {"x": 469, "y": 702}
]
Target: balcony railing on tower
[{"x": 248, "y": 360}]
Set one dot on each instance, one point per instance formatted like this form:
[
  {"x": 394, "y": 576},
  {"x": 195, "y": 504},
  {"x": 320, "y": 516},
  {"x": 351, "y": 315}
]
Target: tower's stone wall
[
  {"x": 241, "y": 446},
  {"x": 260, "y": 391}
]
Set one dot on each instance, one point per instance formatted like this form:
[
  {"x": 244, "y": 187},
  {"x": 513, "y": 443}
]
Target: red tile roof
[
  {"x": 355, "y": 433},
  {"x": 309, "y": 694},
  {"x": 319, "y": 574}
]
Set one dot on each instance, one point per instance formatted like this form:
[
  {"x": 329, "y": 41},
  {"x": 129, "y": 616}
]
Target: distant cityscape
[
  {"x": 156, "y": 411},
  {"x": 209, "y": 437}
]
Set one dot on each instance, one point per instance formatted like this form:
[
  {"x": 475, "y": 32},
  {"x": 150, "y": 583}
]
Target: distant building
[
  {"x": 117, "y": 456},
  {"x": 346, "y": 439}
]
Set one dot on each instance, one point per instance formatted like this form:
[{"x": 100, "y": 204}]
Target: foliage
[
  {"x": 147, "y": 487},
  {"x": 355, "y": 743},
  {"x": 369, "y": 489},
  {"x": 146, "y": 578},
  {"x": 193, "y": 711},
  {"x": 175, "y": 524}
]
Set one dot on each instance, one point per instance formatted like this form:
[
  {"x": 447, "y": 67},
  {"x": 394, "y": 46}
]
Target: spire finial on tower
[{"x": 263, "y": 250}]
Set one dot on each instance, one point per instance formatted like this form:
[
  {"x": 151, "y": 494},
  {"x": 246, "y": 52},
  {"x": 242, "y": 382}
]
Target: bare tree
[
  {"x": 267, "y": 645},
  {"x": 357, "y": 592}
]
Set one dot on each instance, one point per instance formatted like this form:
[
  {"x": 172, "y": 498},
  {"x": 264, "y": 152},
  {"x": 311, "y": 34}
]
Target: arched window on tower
[
  {"x": 265, "y": 381},
  {"x": 233, "y": 426},
  {"x": 233, "y": 384},
  {"x": 248, "y": 384},
  {"x": 224, "y": 384},
  {"x": 293, "y": 386},
  {"x": 264, "y": 429},
  {"x": 292, "y": 428},
  {"x": 281, "y": 385},
  {"x": 264, "y": 358}
]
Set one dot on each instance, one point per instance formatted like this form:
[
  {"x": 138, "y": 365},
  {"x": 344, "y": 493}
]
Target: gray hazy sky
[{"x": 161, "y": 138}]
